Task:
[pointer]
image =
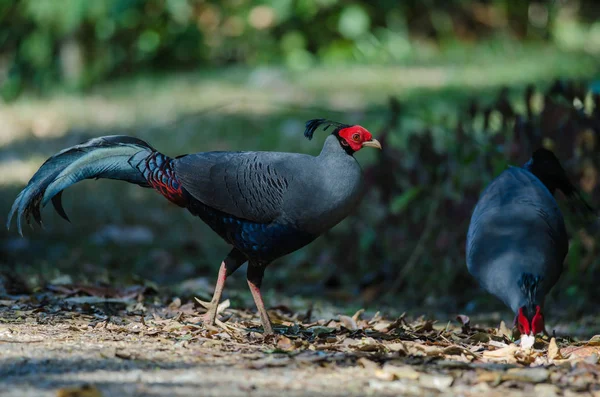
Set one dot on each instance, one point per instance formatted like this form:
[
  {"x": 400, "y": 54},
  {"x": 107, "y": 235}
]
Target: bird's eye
[{"x": 356, "y": 137}]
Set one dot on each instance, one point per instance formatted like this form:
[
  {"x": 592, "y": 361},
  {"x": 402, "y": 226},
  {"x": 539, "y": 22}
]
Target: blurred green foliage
[{"x": 77, "y": 43}]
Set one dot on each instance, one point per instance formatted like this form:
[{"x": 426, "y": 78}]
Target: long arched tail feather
[{"x": 113, "y": 157}]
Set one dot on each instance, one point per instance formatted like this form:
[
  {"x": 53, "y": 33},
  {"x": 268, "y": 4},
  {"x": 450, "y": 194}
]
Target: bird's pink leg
[
  {"x": 228, "y": 266},
  {"x": 210, "y": 316},
  {"x": 255, "y": 276}
]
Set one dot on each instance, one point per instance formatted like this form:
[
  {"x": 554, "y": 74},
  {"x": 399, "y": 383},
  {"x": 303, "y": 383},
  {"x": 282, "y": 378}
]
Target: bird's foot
[
  {"x": 210, "y": 318},
  {"x": 220, "y": 324},
  {"x": 268, "y": 330},
  {"x": 204, "y": 304},
  {"x": 213, "y": 308}
]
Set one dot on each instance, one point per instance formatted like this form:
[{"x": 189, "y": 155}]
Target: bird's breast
[{"x": 318, "y": 203}]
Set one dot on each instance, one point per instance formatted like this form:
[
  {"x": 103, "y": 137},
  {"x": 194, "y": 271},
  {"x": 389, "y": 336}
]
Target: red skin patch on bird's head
[
  {"x": 533, "y": 327},
  {"x": 354, "y": 137},
  {"x": 537, "y": 323},
  {"x": 523, "y": 323}
]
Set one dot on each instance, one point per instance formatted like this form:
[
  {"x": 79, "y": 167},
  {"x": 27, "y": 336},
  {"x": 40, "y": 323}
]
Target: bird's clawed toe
[
  {"x": 213, "y": 310},
  {"x": 206, "y": 305}
]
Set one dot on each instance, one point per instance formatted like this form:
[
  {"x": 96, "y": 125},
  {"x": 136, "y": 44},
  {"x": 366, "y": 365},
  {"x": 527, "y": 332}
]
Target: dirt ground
[
  {"x": 38, "y": 360},
  {"x": 62, "y": 343}
]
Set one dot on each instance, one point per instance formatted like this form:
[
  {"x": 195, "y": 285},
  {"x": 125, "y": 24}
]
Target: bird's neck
[
  {"x": 337, "y": 186},
  {"x": 332, "y": 147},
  {"x": 530, "y": 287}
]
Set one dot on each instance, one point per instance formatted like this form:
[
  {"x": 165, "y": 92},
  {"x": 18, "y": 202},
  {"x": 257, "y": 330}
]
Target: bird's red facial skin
[
  {"x": 354, "y": 137},
  {"x": 537, "y": 322},
  {"x": 522, "y": 323}
]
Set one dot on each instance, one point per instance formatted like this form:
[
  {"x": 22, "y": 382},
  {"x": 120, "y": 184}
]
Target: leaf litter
[{"x": 387, "y": 355}]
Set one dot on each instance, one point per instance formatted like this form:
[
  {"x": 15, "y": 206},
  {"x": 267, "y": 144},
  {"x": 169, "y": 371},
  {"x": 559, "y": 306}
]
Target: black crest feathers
[{"x": 312, "y": 125}]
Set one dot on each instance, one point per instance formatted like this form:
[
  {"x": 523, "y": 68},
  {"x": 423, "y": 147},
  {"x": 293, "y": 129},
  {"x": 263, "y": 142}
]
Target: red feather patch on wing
[{"x": 159, "y": 174}]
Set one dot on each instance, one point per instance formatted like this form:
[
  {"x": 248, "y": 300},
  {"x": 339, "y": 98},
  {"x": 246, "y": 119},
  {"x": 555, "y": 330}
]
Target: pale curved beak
[{"x": 372, "y": 143}]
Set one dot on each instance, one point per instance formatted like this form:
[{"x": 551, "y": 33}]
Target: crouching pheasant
[{"x": 517, "y": 241}]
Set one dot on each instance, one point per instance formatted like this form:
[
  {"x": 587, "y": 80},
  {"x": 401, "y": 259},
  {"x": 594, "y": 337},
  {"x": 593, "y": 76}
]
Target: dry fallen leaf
[
  {"x": 439, "y": 382},
  {"x": 504, "y": 353},
  {"x": 176, "y": 304},
  {"x": 398, "y": 388},
  {"x": 392, "y": 372},
  {"x": 397, "y": 347},
  {"x": 594, "y": 341},
  {"x": 480, "y": 337},
  {"x": 580, "y": 351},
  {"x": 270, "y": 361},
  {"x": 384, "y": 375},
  {"x": 284, "y": 343},
  {"x": 420, "y": 349},
  {"x": 554, "y": 351},
  {"x": 381, "y": 326},
  {"x": 531, "y": 375},
  {"x": 81, "y": 391},
  {"x": 453, "y": 350},
  {"x": 368, "y": 364},
  {"x": 357, "y": 315},
  {"x": 369, "y": 345},
  {"x": 124, "y": 355},
  {"x": 464, "y": 320},
  {"x": 489, "y": 376},
  {"x": 348, "y": 322},
  {"x": 593, "y": 359},
  {"x": 505, "y": 331},
  {"x": 546, "y": 390},
  {"x": 497, "y": 344}
]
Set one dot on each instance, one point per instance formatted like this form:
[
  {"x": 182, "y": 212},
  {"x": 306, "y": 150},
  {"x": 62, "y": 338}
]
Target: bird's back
[
  {"x": 516, "y": 228},
  {"x": 248, "y": 185}
]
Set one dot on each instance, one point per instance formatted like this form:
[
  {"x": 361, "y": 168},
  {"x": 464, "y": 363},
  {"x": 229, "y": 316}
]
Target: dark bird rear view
[
  {"x": 517, "y": 240},
  {"x": 264, "y": 204}
]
